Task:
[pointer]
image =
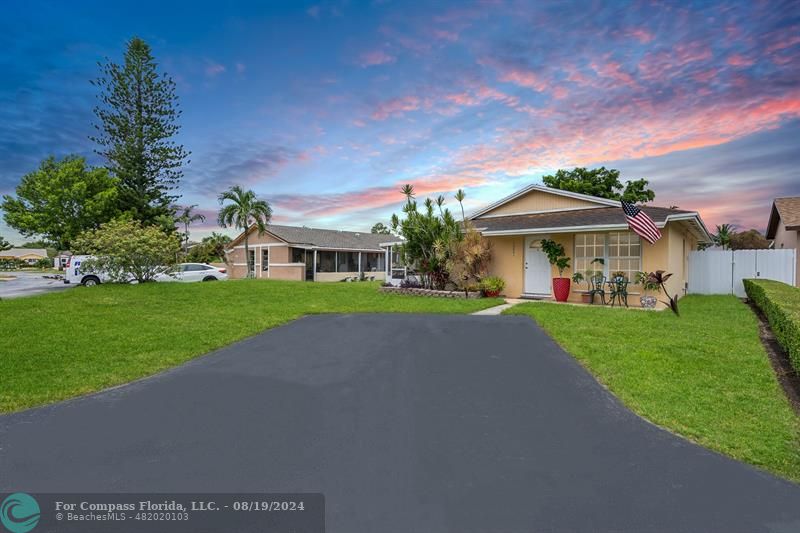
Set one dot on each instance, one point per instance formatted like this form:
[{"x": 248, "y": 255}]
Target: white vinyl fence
[{"x": 722, "y": 272}]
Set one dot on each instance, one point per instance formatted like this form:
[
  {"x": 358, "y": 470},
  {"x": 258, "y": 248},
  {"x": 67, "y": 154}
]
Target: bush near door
[{"x": 781, "y": 304}]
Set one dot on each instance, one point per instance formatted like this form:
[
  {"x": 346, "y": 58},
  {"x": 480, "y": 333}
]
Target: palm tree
[
  {"x": 244, "y": 210},
  {"x": 724, "y": 234},
  {"x": 218, "y": 242},
  {"x": 186, "y": 218},
  {"x": 460, "y": 195}
]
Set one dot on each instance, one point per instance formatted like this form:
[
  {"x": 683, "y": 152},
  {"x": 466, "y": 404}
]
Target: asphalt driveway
[
  {"x": 29, "y": 284},
  {"x": 406, "y": 424}
]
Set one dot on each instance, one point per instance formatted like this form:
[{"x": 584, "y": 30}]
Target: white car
[{"x": 189, "y": 272}]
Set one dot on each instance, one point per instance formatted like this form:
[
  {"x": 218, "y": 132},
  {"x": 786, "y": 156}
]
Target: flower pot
[
  {"x": 648, "y": 302},
  {"x": 586, "y": 298},
  {"x": 491, "y": 294},
  {"x": 561, "y": 289}
]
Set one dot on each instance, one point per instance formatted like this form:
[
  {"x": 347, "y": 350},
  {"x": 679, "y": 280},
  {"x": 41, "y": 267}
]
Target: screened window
[
  {"x": 298, "y": 255},
  {"x": 624, "y": 254},
  {"x": 588, "y": 247},
  {"x": 372, "y": 262},
  {"x": 347, "y": 261},
  {"x": 326, "y": 261},
  {"x": 252, "y": 259},
  {"x": 265, "y": 259}
]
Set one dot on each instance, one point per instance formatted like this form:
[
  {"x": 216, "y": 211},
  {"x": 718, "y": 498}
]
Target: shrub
[
  {"x": 469, "y": 257},
  {"x": 428, "y": 233},
  {"x": 410, "y": 283},
  {"x": 125, "y": 250},
  {"x": 493, "y": 284},
  {"x": 781, "y": 305}
]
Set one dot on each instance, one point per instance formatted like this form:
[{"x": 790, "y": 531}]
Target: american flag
[{"x": 640, "y": 223}]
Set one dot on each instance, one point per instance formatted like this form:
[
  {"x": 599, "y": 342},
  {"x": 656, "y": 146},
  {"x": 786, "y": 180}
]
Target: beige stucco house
[
  {"x": 588, "y": 227},
  {"x": 300, "y": 253},
  {"x": 28, "y": 255},
  {"x": 784, "y": 226}
]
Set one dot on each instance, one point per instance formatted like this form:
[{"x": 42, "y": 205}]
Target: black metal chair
[
  {"x": 619, "y": 290},
  {"x": 596, "y": 284}
]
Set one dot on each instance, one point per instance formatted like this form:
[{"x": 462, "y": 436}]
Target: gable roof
[
  {"x": 325, "y": 238},
  {"x": 19, "y": 252},
  {"x": 589, "y": 219},
  {"x": 601, "y": 202},
  {"x": 787, "y": 211}
]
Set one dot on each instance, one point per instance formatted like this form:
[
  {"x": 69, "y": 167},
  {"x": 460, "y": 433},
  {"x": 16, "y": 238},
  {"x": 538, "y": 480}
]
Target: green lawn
[
  {"x": 703, "y": 375},
  {"x": 61, "y": 345}
]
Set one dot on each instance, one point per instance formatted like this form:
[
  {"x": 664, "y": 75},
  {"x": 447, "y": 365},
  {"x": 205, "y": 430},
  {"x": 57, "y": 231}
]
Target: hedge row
[{"x": 781, "y": 304}]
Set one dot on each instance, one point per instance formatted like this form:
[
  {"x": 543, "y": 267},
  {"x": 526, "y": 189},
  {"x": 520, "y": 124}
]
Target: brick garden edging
[{"x": 431, "y": 293}]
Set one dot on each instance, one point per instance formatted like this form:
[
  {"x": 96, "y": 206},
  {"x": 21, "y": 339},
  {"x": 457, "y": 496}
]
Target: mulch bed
[
  {"x": 787, "y": 376},
  {"x": 431, "y": 292}
]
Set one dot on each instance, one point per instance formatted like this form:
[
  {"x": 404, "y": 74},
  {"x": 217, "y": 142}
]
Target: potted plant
[
  {"x": 557, "y": 257},
  {"x": 492, "y": 286},
  {"x": 648, "y": 284},
  {"x": 578, "y": 278}
]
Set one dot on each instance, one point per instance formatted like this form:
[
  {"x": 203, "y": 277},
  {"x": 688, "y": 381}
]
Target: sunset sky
[{"x": 326, "y": 109}]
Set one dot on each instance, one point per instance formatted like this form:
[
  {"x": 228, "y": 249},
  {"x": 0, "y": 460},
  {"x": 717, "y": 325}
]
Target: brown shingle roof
[
  {"x": 788, "y": 211},
  {"x": 599, "y": 216},
  {"x": 327, "y": 238}
]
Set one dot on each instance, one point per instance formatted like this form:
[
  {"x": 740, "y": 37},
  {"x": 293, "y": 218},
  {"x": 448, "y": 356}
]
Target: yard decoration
[
  {"x": 660, "y": 277},
  {"x": 557, "y": 257}
]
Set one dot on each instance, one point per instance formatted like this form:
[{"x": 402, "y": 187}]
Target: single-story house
[
  {"x": 311, "y": 254},
  {"x": 783, "y": 227},
  {"x": 28, "y": 255},
  {"x": 588, "y": 227}
]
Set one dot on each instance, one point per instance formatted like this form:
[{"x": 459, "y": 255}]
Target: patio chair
[
  {"x": 619, "y": 290},
  {"x": 596, "y": 284}
]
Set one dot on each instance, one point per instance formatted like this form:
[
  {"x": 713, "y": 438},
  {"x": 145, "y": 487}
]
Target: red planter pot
[
  {"x": 561, "y": 289},
  {"x": 491, "y": 294}
]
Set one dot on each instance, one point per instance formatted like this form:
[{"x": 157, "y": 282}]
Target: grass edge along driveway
[
  {"x": 703, "y": 375},
  {"x": 58, "y": 346}
]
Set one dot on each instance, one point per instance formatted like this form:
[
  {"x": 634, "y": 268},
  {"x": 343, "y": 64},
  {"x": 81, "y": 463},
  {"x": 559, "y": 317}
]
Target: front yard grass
[
  {"x": 703, "y": 375},
  {"x": 65, "y": 344}
]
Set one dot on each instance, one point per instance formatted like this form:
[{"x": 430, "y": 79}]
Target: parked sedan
[{"x": 188, "y": 272}]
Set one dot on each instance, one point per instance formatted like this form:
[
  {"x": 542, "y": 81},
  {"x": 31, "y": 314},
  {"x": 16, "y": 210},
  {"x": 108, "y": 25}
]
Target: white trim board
[{"x": 543, "y": 211}]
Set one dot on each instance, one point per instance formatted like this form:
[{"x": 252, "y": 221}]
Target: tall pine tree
[{"x": 137, "y": 122}]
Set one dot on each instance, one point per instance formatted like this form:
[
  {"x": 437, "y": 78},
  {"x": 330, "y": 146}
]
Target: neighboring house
[
  {"x": 300, "y": 253},
  {"x": 588, "y": 227},
  {"x": 784, "y": 226},
  {"x": 28, "y": 255}
]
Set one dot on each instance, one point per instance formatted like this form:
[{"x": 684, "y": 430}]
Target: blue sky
[{"x": 325, "y": 109}]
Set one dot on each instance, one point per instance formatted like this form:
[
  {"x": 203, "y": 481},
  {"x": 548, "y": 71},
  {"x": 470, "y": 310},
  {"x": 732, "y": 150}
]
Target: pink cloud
[
  {"x": 326, "y": 205},
  {"x": 524, "y": 78},
  {"x": 632, "y": 130},
  {"x": 738, "y": 60},
  {"x": 396, "y": 107},
  {"x": 376, "y": 57},
  {"x": 214, "y": 69}
]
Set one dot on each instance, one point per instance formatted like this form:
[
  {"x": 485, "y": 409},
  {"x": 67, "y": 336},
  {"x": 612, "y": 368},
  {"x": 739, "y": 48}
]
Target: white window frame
[{"x": 606, "y": 251}]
